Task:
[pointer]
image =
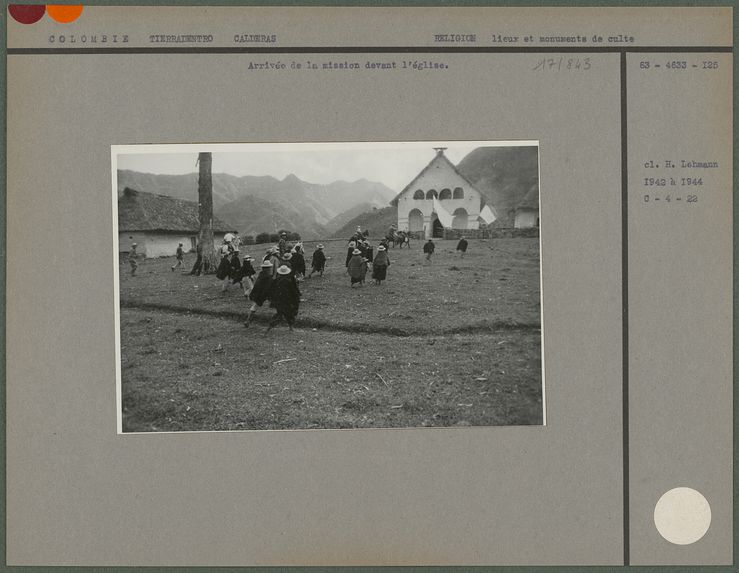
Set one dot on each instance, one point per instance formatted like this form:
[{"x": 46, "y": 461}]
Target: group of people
[
  {"x": 283, "y": 266},
  {"x": 360, "y": 257}
]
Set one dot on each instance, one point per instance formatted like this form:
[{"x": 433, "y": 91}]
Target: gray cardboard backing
[{"x": 79, "y": 494}]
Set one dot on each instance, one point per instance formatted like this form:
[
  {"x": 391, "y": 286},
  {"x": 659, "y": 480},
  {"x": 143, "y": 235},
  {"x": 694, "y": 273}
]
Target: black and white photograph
[{"x": 328, "y": 286}]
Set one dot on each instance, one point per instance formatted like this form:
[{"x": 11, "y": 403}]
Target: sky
[{"x": 394, "y": 164}]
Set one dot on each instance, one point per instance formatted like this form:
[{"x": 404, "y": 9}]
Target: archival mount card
[{"x": 369, "y": 286}]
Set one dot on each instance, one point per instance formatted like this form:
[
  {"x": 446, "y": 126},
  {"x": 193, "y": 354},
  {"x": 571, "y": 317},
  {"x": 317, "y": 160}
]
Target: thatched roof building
[
  {"x": 158, "y": 223},
  {"x": 140, "y": 211},
  {"x": 527, "y": 211}
]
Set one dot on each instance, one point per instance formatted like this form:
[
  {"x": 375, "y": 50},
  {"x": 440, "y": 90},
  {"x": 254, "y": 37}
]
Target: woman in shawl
[
  {"x": 462, "y": 246},
  {"x": 245, "y": 275},
  {"x": 369, "y": 252},
  {"x": 354, "y": 267},
  {"x": 298, "y": 261},
  {"x": 350, "y": 252},
  {"x": 380, "y": 265},
  {"x": 274, "y": 258},
  {"x": 261, "y": 291},
  {"x": 223, "y": 273},
  {"x": 318, "y": 263},
  {"x": 285, "y": 298}
]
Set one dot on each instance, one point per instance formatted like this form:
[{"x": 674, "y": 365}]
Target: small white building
[
  {"x": 440, "y": 197},
  {"x": 158, "y": 223},
  {"x": 527, "y": 211}
]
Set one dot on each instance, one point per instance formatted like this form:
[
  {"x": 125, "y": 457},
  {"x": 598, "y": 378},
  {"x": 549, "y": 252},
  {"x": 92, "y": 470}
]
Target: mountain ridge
[{"x": 291, "y": 203}]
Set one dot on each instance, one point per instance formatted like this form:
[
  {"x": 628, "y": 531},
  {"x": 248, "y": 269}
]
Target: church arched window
[
  {"x": 431, "y": 194},
  {"x": 458, "y": 193},
  {"x": 418, "y": 194},
  {"x": 445, "y": 194}
]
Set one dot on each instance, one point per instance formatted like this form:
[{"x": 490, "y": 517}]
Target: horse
[{"x": 399, "y": 238}]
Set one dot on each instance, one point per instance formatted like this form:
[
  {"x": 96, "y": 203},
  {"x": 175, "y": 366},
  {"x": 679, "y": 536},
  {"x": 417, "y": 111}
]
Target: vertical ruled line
[{"x": 625, "y": 307}]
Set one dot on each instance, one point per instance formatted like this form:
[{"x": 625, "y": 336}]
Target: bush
[{"x": 272, "y": 237}]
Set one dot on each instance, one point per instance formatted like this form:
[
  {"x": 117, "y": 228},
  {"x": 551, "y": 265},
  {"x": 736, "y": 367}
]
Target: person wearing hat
[
  {"x": 180, "y": 255},
  {"x": 428, "y": 249},
  {"x": 286, "y": 259},
  {"x": 246, "y": 273},
  {"x": 285, "y": 298},
  {"x": 350, "y": 252},
  {"x": 274, "y": 258},
  {"x": 298, "y": 261},
  {"x": 224, "y": 266},
  {"x": 318, "y": 262},
  {"x": 354, "y": 267},
  {"x": 369, "y": 252},
  {"x": 132, "y": 254},
  {"x": 380, "y": 265},
  {"x": 462, "y": 246},
  {"x": 282, "y": 245},
  {"x": 261, "y": 291}
]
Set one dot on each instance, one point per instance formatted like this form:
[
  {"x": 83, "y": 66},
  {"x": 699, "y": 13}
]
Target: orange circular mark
[{"x": 63, "y": 13}]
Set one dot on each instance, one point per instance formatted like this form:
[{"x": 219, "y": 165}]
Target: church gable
[
  {"x": 438, "y": 180},
  {"x": 438, "y": 198}
]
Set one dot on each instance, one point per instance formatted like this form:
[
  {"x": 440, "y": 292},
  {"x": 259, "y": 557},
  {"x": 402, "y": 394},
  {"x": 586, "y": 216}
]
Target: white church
[{"x": 440, "y": 197}]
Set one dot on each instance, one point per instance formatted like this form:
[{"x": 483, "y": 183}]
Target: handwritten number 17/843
[{"x": 562, "y": 64}]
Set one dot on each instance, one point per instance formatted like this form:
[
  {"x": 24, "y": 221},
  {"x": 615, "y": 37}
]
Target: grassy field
[{"x": 451, "y": 342}]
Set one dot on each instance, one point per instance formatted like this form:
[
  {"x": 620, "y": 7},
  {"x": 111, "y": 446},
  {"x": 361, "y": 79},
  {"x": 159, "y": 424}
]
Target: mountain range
[
  {"x": 504, "y": 175},
  {"x": 255, "y": 204}
]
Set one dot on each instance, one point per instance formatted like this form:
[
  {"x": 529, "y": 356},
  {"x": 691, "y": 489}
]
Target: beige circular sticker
[{"x": 682, "y": 515}]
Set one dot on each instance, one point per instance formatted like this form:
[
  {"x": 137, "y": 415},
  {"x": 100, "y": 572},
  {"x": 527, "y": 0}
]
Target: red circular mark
[{"x": 26, "y": 13}]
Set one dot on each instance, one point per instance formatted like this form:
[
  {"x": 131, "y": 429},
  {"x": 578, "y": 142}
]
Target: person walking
[
  {"x": 318, "y": 262},
  {"x": 224, "y": 270},
  {"x": 287, "y": 260},
  {"x": 285, "y": 298},
  {"x": 380, "y": 265},
  {"x": 261, "y": 291},
  {"x": 350, "y": 252},
  {"x": 274, "y": 258},
  {"x": 298, "y": 261},
  {"x": 369, "y": 252},
  {"x": 180, "y": 255},
  {"x": 246, "y": 274},
  {"x": 132, "y": 254},
  {"x": 428, "y": 249},
  {"x": 462, "y": 246},
  {"x": 354, "y": 267},
  {"x": 234, "y": 273}
]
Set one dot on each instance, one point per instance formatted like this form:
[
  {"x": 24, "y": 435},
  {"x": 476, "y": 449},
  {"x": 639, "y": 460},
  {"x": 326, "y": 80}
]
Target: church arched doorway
[
  {"x": 460, "y": 219},
  {"x": 438, "y": 229},
  {"x": 415, "y": 221}
]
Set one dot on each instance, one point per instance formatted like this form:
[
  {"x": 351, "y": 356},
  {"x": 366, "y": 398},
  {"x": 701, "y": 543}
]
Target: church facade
[{"x": 440, "y": 197}]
